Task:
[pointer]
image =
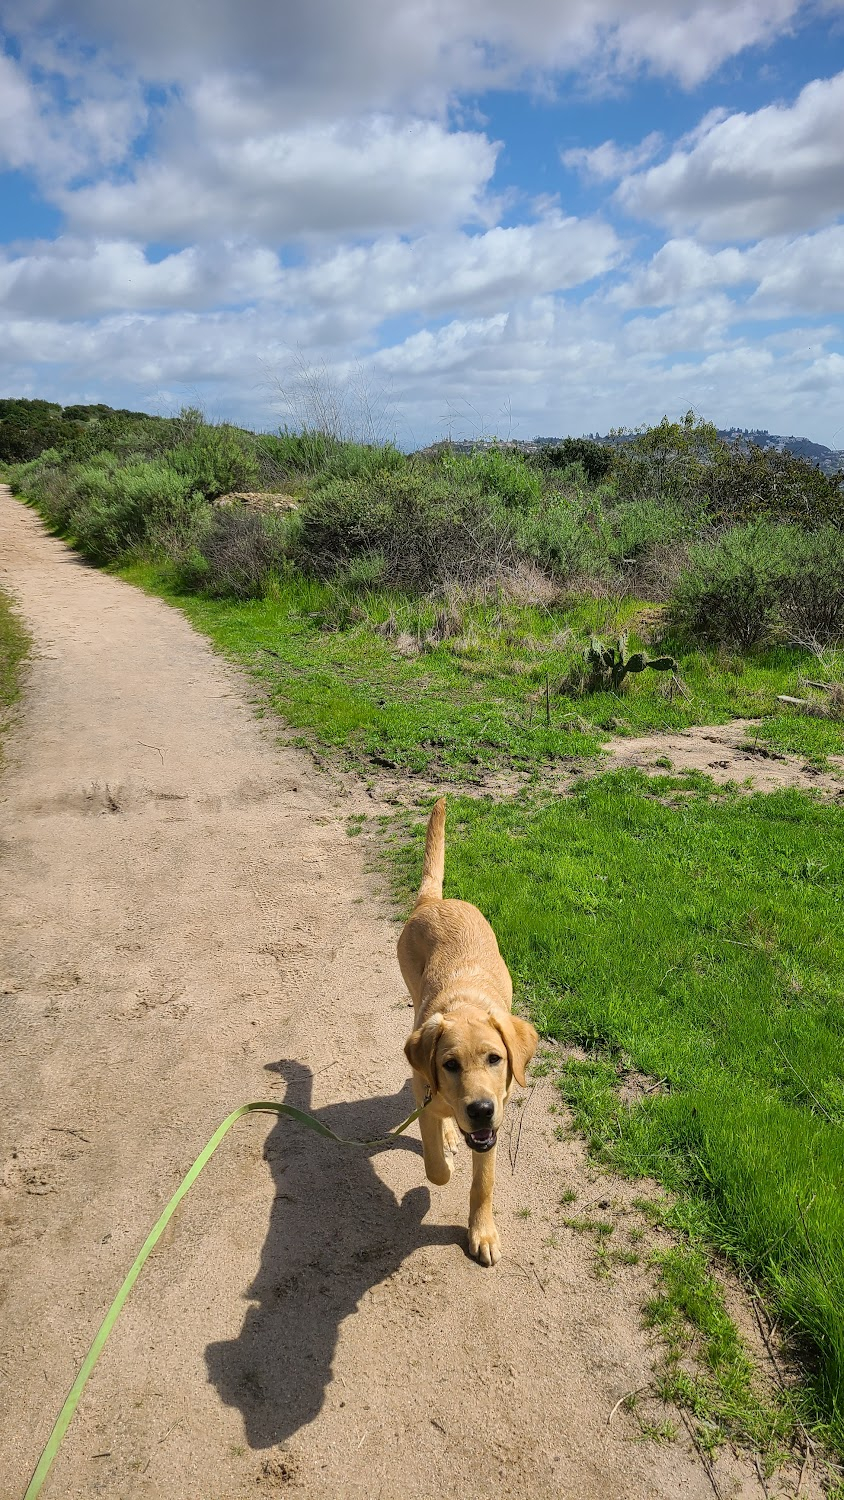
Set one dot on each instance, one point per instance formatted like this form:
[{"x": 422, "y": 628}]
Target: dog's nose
[{"x": 481, "y": 1111}]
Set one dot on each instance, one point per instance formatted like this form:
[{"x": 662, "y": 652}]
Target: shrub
[
  {"x": 427, "y": 529},
  {"x": 759, "y": 582},
  {"x": 216, "y": 460},
  {"x": 596, "y": 459},
  {"x": 237, "y": 555},
  {"x": 501, "y": 472},
  {"x": 497, "y": 471},
  {"x": 316, "y": 454},
  {"x": 289, "y": 454},
  {"x": 725, "y": 483},
  {"x": 134, "y": 509},
  {"x": 812, "y": 592},
  {"x": 747, "y": 482},
  {"x": 361, "y": 460},
  {"x": 669, "y": 459},
  {"x": 565, "y": 537}
]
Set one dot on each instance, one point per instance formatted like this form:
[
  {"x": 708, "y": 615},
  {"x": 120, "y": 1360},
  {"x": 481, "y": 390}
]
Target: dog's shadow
[{"x": 335, "y": 1230}]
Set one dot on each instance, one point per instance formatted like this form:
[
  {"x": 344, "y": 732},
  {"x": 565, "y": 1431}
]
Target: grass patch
[
  {"x": 700, "y": 944},
  {"x": 14, "y": 646},
  {"x": 705, "y": 1369},
  {"x": 464, "y": 688}
]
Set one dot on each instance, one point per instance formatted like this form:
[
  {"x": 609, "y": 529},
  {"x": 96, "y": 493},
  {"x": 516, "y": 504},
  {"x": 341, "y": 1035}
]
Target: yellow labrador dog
[{"x": 466, "y": 1047}]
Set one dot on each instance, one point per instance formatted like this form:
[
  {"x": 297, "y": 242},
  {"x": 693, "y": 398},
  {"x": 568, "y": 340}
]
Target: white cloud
[
  {"x": 679, "y": 272},
  {"x": 345, "y": 294},
  {"x": 437, "y": 274},
  {"x": 781, "y": 277},
  {"x": 562, "y": 368},
  {"x": 91, "y": 129},
  {"x": 383, "y": 55},
  {"x": 609, "y": 161},
  {"x": 328, "y": 125},
  {"x": 346, "y": 177},
  {"x": 579, "y": 370},
  {"x": 745, "y": 176},
  {"x": 72, "y": 279},
  {"x": 803, "y": 276}
]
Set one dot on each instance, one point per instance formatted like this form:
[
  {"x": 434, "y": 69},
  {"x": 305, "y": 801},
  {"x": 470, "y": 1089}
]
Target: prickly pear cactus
[{"x": 609, "y": 665}]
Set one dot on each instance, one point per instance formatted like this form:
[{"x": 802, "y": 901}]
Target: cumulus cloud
[
  {"x": 780, "y": 277},
  {"x": 679, "y": 272},
  {"x": 804, "y": 276},
  {"x": 563, "y": 367},
  {"x": 609, "y": 161},
  {"x": 90, "y": 128},
  {"x": 71, "y": 278},
  {"x": 438, "y": 274},
  {"x": 750, "y": 175},
  {"x": 385, "y": 55},
  {"x": 346, "y": 177},
  {"x": 302, "y": 165},
  {"x": 352, "y": 289},
  {"x": 578, "y": 369}
]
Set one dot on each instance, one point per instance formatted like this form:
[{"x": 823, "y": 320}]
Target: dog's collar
[{"x": 428, "y": 1095}]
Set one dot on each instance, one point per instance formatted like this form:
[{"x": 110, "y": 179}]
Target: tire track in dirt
[{"x": 186, "y": 926}]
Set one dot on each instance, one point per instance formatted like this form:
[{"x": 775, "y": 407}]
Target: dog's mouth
[{"x": 481, "y": 1140}]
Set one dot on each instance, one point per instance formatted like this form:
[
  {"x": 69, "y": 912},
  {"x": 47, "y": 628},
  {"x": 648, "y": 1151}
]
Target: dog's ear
[
  {"x": 420, "y": 1049},
  {"x": 521, "y": 1041}
]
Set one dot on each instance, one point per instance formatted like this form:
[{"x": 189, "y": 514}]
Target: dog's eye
[
  {"x": 452, "y": 1065},
  {"x": 494, "y": 1059}
]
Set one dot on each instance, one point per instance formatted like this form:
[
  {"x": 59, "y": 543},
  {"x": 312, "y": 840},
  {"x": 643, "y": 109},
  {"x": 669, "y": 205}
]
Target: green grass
[
  {"x": 705, "y": 1368},
  {"x": 696, "y": 937},
  {"x": 474, "y": 702},
  {"x": 14, "y": 645}
]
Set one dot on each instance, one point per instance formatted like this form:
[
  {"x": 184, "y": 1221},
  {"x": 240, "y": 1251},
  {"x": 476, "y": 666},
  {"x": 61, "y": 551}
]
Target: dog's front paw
[
  {"x": 451, "y": 1137},
  {"x": 484, "y": 1243}
]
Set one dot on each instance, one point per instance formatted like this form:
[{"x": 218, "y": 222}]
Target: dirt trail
[{"x": 187, "y": 926}]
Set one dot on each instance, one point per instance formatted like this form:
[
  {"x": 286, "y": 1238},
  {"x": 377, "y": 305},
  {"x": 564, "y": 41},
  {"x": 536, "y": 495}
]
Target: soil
[
  {"x": 727, "y": 752},
  {"x": 188, "y": 926}
]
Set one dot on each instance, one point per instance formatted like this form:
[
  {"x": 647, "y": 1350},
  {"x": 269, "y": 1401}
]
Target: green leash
[{"x": 66, "y": 1413}]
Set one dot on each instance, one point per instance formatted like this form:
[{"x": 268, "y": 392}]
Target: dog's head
[{"x": 469, "y": 1058}]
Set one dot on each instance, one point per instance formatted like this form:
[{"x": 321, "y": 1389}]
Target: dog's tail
[{"x": 433, "y": 869}]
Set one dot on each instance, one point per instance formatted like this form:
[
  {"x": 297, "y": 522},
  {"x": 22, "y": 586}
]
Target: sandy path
[{"x": 187, "y": 926}]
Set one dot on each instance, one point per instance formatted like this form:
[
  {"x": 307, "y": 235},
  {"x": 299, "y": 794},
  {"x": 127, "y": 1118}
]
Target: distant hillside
[{"x": 828, "y": 460}]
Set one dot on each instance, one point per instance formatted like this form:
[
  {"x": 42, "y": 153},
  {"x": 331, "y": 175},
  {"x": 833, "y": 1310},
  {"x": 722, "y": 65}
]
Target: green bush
[
  {"x": 427, "y": 528},
  {"x": 28, "y": 428},
  {"x": 361, "y": 460},
  {"x": 812, "y": 592},
  {"x": 724, "y": 483},
  {"x": 237, "y": 555},
  {"x": 507, "y": 475},
  {"x": 749, "y": 482},
  {"x": 144, "y": 506},
  {"x": 216, "y": 460},
  {"x": 673, "y": 459},
  {"x": 759, "y": 582},
  {"x": 501, "y": 472},
  {"x": 596, "y": 459},
  {"x": 290, "y": 454}
]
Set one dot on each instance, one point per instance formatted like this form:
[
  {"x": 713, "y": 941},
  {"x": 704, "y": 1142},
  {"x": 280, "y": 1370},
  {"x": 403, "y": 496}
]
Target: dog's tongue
[{"x": 482, "y": 1137}]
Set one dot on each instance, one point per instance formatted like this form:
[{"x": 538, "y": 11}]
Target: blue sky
[{"x": 434, "y": 216}]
